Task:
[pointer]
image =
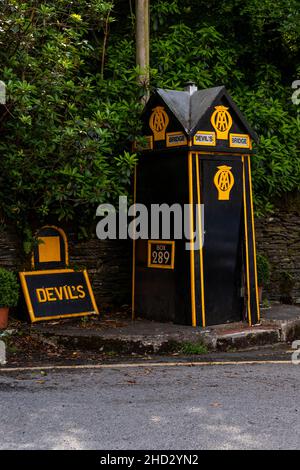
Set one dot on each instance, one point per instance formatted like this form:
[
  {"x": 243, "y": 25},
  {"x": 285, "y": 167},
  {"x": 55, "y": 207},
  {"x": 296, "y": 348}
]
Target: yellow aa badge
[
  {"x": 224, "y": 180},
  {"x": 158, "y": 122},
  {"x": 221, "y": 121}
]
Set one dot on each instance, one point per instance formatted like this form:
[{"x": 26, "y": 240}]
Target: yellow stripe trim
[
  {"x": 254, "y": 242},
  {"x": 88, "y": 283},
  {"x": 146, "y": 364},
  {"x": 133, "y": 254},
  {"x": 192, "y": 254},
  {"x": 247, "y": 246},
  {"x": 27, "y": 296},
  {"x": 201, "y": 244},
  {"x": 70, "y": 315}
]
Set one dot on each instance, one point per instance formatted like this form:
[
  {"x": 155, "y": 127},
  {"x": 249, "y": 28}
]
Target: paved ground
[
  {"x": 281, "y": 312},
  {"x": 233, "y": 406}
]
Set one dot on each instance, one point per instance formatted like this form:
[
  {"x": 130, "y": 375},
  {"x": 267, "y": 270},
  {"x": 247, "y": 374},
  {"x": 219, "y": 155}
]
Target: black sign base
[{"x": 60, "y": 293}]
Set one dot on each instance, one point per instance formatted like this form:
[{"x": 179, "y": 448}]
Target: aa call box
[{"x": 197, "y": 155}]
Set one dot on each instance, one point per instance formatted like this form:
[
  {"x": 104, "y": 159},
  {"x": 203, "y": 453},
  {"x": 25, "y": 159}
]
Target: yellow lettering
[
  {"x": 66, "y": 292},
  {"x": 41, "y": 298},
  {"x": 81, "y": 292},
  {"x": 50, "y": 294},
  {"x": 70, "y": 288},
  {"x": 59, "y": 292}
]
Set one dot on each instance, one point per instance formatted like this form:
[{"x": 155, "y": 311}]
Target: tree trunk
[{"x": 142, "y": 42}]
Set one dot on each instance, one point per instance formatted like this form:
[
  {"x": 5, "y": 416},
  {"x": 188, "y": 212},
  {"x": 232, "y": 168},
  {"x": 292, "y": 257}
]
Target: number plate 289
[{"x": 161, "y": 254}]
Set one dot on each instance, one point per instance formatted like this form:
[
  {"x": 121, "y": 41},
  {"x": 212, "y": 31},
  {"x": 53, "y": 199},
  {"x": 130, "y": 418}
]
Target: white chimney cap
[{"x": 191, "y": 87}]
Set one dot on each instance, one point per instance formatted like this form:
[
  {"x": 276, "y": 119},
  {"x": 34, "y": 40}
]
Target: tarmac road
[{"x": 231, "y": 406}]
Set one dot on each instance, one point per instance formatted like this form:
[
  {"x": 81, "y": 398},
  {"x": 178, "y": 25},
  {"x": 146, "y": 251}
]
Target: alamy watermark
[
  {"x": 296, "y": 353},
  {"x": 2, "y": 93},
  {"x": 296, "y": 94},
  {"x": 156, "y": 221},
  {"x": 2, "y": 353}
]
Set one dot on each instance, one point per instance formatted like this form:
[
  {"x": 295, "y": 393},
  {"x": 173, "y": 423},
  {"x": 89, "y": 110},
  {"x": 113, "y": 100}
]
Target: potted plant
[
  {"x": 263, "y": 273},
  {"x": 9, "y": 295}
]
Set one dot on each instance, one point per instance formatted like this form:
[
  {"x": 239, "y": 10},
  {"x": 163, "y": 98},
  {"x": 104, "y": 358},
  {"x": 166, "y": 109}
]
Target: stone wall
[
  {"x": 10, "y": 250},
  {"x": 278, "y": 238},
  {"x": 109, "y": 262}
]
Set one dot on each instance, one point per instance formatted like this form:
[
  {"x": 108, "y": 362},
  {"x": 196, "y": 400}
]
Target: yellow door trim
[
  {"x": 192, "y": 253},
  {"x": 201, "y": 243},
  {"x": 254, "y": 242},
  {"x": 133, "y": 253},
  {"x": 247, "y": 246}
]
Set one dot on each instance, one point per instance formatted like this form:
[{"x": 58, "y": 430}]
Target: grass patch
[
  {"x": 111, "y": 353},
  {"x": 193, "y": 348},
  {"x": 11, "y": 348}
]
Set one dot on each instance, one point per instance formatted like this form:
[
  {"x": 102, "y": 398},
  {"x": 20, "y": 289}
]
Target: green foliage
[
  {"x": 253, "y": 49},
  {"x": 73, "y": 100},
  {"x": 65, "y": 132},
  {"x": 9, "y": 288},
  {"x": 263, "y": 269},
  {"x": 193, "y": 348}
]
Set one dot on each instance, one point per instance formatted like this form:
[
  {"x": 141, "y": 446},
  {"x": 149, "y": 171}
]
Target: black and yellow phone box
[
  {"x": 196, "y": 162},
  {"x": 60, "y": 293}
]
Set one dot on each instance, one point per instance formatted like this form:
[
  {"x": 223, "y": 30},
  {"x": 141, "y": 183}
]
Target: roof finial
[{"x": 191, "y": 87}]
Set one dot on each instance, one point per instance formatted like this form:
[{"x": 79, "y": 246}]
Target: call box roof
[{"x": 191, "y": 111}]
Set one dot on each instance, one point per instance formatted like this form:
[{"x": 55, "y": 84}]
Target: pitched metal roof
[{"x": 189, "y": 109}]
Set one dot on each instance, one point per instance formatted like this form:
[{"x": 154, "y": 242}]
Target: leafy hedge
[
  {"x": 73, "y": 100},
  {"x": 64, "y": 133},
  {"x": 9, "y": 288},
  {"x": 253, "y": 49}
]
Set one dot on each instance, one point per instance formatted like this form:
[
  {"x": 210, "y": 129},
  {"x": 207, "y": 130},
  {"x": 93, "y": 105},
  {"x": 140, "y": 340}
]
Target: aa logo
[
  {"x": 158, "y": 122},
  {"x": 221, "y": 121},
  {"x": 224, "y": 181}
]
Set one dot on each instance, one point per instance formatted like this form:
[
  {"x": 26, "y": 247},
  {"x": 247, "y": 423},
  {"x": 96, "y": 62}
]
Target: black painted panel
[
  {"x": 222, "y": 250},
  {"x": 163, "y": 294}
]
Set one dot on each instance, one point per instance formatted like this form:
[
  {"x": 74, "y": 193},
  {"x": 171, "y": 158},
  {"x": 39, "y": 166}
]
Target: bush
[
  {"x": 73, "y": 101},
  {"x": 65, "y": 130},
  {"x": 9, "y": 288}
]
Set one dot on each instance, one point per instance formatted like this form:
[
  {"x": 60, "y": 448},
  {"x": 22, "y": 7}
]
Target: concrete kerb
[
  {"x": 168, "y": 343},
  {"x": 278, "y": 325},
  {"x": 125, "y": 344},
  {"x": 289, "y": 329},
  {"x": 246, "y": 339}
]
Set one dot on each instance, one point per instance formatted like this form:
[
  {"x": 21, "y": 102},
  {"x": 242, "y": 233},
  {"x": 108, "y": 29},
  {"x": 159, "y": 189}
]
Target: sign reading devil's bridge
[
  {"x": 52, "y": 290},
  {"x": 60, "y": 293}
]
